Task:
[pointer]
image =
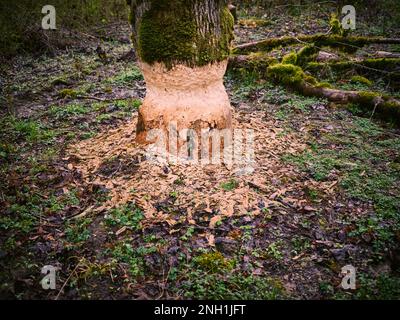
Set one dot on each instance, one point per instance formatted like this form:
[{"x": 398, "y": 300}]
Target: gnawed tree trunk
[{"x": 183, "y": 47}]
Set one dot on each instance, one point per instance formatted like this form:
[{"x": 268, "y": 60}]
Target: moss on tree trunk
[{"x": 190, "y": 32}]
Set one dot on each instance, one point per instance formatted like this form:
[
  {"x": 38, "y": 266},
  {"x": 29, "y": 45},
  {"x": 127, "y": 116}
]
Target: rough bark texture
[
  {"x": 183, "y": 47},
  {"x": 192, "y": 32}
]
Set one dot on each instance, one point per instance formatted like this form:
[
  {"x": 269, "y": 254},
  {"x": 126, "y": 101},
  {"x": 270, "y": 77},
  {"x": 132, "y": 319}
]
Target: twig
[
  {"x": 66, "y": 281},
  {"x": 304, "y": 5},
  {"x": 373, "y": 111},
  {"x": 93, "y": 98}
]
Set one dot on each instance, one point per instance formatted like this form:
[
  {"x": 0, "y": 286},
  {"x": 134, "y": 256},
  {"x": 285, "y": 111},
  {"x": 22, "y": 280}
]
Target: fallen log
[
  {"x": 260, "y": 61},
  {"x": 388, "y": 68},
  {"x": 384, "y": 54},
  {"x": 384, "y": 105},
  {"x": 293, "y": 76},
  {"x": 388, "y": 65},
  {"x": 350, "y": 42},
  {"x": 253, "y": 62}
]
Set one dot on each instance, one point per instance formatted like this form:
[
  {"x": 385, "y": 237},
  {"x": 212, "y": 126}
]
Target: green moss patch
[
  {"x": 289, "y": 74},
  {"x": 169, "y": 33}
]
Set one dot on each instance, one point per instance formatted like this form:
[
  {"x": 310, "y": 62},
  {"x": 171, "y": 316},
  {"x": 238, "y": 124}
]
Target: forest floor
[{"x": 76, "y": 192}]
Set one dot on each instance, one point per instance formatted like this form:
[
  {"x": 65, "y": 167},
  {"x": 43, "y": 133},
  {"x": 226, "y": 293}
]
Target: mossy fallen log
[
  {"x": 391, "y": 65},
  {"x": 388, "y": 68},
  {"x": 253, "y": 62},
  {"x": 350, "y": 43},
  {"x": 261, "y": 60},
  {"x": 294, "y": 76}
]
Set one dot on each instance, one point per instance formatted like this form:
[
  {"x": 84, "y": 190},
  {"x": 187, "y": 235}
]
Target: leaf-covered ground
[{"x": 77, "y": 193}]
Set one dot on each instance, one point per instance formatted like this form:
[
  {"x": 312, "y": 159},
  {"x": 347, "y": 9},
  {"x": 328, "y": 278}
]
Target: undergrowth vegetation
[{"x": 334, "y": 202}]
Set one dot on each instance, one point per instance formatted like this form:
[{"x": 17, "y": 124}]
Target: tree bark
[{"x": 183, "y": 47}]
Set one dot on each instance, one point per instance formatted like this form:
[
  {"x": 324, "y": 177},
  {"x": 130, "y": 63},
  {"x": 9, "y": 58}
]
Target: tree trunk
[{"x": 183, "y": 47}]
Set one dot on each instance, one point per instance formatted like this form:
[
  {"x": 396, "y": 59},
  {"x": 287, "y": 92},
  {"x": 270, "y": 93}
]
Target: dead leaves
[
  {"x": 214, "y": 220},
  {"x": 211, "y": 240},
  {"x": 195, "y": 189}
]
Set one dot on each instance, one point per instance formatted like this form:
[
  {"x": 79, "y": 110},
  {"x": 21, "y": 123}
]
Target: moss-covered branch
[
  {"x": 294, "y": 76},
  {"x": 352, "y": 42},
  {"x": 253, "y": 62},
  {"x": 387, "y": 65}
]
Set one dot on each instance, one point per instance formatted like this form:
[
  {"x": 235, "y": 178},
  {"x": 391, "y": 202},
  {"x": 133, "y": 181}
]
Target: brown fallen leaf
[
  {"x": 120, "y": 231},
  {"x": 228, "y": 210},
  {"x": 309, "y": 208},
  {"x": 210, "y": 239},
  {"x": 214, "y": 220},
  {"x": 171, "y": 222}
]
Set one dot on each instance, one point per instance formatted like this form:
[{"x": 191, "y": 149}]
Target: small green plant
[
  {"x": 128, "y": 105},
  {"x": 273, "y": 250},
  {"x": 282, "y": 114},
  {"x": 247, "y": 232},
  {"x": 104, "y": 117},
  {"x": 77, "y": 231},
  {"x": 300, "y": 244},
  {"x": 22, "y": 218},
  {"x": 128, "y": 215},
  {"x": 213, "y": 262},
  {"x": 188, "y": 234},
  {"x": 31, "y": 130},
  {"x": 124, "y": 252},
  {"x": 326, "y": 288},
  {"x": 87, "y": 135},
  {"x": 6, "y": 150},
  {"x": 230, "y": 185},
  {"x": 313, "y": 194},
  {"x": 230, "y": 286},
  {"x": 127, "y": 77},
  {"x": 74, "y": 109}
]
